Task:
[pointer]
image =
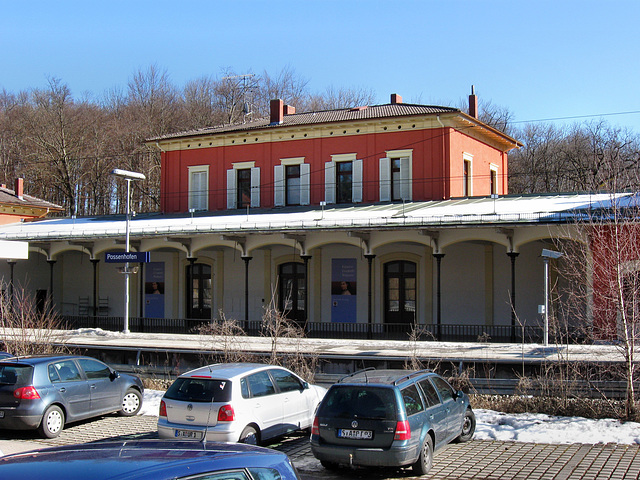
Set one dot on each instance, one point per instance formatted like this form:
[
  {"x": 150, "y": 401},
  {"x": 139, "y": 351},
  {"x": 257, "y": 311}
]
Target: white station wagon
[{"x": 237, "y": 402}]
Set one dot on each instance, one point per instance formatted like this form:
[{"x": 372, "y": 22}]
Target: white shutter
[
  {"x": 231, "y": 188},
  {"x": 278, "y": 185},
  {"x": 356, "y": 185},
  {"x": 305, "y": 181},
  {"x": 255, "y": 187},
  {"x": 405, "y": 178},
  {"x": 385, "y": 179},
  {"x": 202, "y": 190},
  {"x": 330, "y": 182}
]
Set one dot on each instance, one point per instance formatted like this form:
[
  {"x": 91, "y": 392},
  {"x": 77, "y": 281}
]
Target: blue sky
[{"x": 540, "y": 59}]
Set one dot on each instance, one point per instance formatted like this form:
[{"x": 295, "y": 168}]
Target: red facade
[{"x": 438, "y": 151}]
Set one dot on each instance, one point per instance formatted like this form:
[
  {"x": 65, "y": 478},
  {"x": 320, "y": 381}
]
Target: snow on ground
[{"x": 523, "y": 427}]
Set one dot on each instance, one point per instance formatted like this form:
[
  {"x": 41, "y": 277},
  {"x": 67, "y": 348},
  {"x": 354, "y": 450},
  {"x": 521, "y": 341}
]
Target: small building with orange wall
[{"x": 15, "y": 206}]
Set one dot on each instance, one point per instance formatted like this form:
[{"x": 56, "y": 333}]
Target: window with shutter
[{"x": 199, "y": 187}]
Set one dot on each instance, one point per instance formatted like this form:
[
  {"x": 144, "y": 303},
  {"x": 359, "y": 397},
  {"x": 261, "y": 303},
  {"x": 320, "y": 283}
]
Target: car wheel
[
  {"x": 425, "y": 460},
  {"x": 329, "y": 465},
  {"x": 131, "y": 403},
  {"x": 52, "y": 422},
  {"x": 250, "y": 435},
  {"x": 468, "y": 426}
]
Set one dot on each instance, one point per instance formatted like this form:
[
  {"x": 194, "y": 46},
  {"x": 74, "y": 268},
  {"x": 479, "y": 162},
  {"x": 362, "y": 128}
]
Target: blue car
[
  {"x": 150, "y": 460},
  {"x": 46, "y": 392}
]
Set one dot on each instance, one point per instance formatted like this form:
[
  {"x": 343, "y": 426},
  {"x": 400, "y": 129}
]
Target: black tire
[
  {"x": 425, "y": 459},
  {"x": 329, "y": 465},
  {"x": 468, "y": 427},
  {"x": 250, "y": 435},
  {"x": 52, "y": 422},
  {"x": 131, "y": 403}
]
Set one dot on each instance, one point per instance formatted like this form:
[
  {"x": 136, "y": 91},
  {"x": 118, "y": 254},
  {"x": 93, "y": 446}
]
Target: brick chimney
[
  {"x": 289, "y": 109},
  {"x": 395, "y": 98},
  {"x": 473, "y": 103},
  {"x": 19, "y": 190},
  {"x": 277, "y": 111}
]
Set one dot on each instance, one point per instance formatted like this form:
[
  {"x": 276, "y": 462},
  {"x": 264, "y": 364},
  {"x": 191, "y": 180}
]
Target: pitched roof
[
  {"x": 320, "y": 117},
  {"x": 8, "y": 197}
]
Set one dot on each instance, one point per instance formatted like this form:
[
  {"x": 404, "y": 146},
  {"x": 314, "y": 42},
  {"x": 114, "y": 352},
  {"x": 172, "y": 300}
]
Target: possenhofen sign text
[{"x": 123, "y": 257}]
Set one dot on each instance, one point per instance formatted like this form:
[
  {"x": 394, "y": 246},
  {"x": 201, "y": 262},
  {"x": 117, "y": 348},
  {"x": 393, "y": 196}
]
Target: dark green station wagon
[{"x": 391, "y": 418}]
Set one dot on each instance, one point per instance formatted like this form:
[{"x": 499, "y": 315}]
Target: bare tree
[
  {"x": 26, "y": 328},
  {"x": 286, "y": 85},
  {"x": 593, "y": 156},
  {"x": 610, "y": 259},
  {"x": 200, "y": 103},
  {"x": 334, "y": 98}
]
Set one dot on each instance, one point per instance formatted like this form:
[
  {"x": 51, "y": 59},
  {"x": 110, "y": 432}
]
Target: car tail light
[
  {"x": 226, "y": 414},
  {"x": 163, "y": 409},
  {"x": 315, "y": 429},
  {"x": 403, "y": 431},
  {"x": 26, "y": 393}
]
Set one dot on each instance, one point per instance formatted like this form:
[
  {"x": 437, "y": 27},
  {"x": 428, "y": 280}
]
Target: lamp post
[
  {"x": 128, "y": 176},
  {"x": 546, "y": 255}
]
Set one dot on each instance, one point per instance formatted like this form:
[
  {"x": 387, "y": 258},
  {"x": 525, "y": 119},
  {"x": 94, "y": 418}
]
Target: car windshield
[
  {"x": 200, "y": 390},
  {"x": 359, "y": 402},
  {"x": 12, "y": 374}
]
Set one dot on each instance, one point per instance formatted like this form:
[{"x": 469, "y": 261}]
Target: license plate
[
  {"x": 188, "y": 434},
  {"x": 355, "y": 434}
]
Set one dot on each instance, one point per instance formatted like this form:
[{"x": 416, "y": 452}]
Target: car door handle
[
  {"x": 93, "y": 387},
  {"x": 62, "y": 390}
]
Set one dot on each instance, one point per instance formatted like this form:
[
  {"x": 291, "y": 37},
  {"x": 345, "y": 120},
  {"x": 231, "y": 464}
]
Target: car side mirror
[
  {"x": 305, "y": 385},
  {"x": 459, "y": 394},
  {"x": 113, "y": 375}
]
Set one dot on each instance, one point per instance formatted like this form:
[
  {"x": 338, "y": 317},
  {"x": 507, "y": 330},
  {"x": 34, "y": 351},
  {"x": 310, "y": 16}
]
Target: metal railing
[{"x": 377, "y": 331}]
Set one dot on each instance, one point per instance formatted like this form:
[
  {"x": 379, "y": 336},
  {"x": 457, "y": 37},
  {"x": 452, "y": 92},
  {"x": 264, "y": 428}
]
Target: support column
[
  {"x": 189, "y": 299},
  {"x": 370, "y": 257},
  {"x": 12, "y": 264},
  {"x": 438, "y": 257},
  {"x": 246, "y": 291},
  {"x": 141, "y": 297},
  {"x": 513, "y": 256},
  {"x": 51, "y": 264},
  {"x": 95, "y": 262},
  {"x": 306, "y": 258}
]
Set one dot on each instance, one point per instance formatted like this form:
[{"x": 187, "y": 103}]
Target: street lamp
[
  {"x": 546, "y": 255},
  {"x": 128, "y": 176}
]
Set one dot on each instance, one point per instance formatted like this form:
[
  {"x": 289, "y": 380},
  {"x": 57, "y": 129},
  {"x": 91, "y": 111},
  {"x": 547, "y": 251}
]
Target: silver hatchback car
[
  {"x": 237, "y": 402},
  {"x": 45, "y": 392}
]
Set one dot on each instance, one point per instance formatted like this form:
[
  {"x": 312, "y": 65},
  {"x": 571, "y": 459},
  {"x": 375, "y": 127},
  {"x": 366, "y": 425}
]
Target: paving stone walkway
[{"x": 477, "y": 460}]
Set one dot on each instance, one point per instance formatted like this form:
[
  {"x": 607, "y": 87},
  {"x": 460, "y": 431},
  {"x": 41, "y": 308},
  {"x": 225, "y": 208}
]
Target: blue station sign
[{"x": 124, "y": 257}]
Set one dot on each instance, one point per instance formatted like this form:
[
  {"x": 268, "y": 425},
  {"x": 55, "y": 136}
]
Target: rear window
[
  {"x": 16, "y": 374},
  {"x": 359, "y": 402},
  {"x": 200, "y": 390}
]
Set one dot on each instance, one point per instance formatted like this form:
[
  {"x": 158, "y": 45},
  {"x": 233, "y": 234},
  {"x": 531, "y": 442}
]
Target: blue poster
[
  {"x": 154, "y": 290},
  {"x": 343, "y": 290}
]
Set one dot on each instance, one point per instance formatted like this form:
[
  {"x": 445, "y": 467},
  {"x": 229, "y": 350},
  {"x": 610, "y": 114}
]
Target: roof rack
[
  {"x": 412, "y": 374},
  {"x": 355, "y": 373}
]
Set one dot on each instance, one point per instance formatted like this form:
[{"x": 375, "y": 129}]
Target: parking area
[{"x": 474, "y": 460}]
